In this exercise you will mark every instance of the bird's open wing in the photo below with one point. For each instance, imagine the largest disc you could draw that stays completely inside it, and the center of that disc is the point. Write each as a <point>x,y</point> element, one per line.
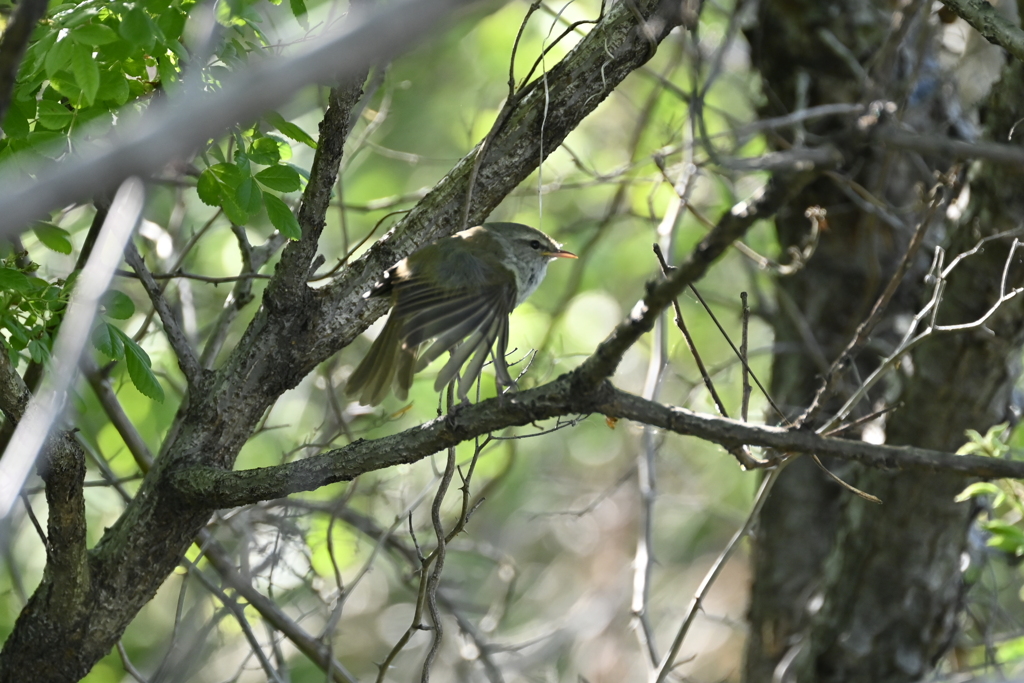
<point>448,318</point>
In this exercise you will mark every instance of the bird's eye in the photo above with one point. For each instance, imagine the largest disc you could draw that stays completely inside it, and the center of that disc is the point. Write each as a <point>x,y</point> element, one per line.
<point>535,244</point>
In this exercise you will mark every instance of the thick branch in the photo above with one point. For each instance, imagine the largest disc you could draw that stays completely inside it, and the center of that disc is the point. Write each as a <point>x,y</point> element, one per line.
<point>290,279</point>
<point>781,189</point>
<point>532,126</point>
<point>993,26</point>
<point>220,489</point>
<point>63,470</point>
<point>14,394</point>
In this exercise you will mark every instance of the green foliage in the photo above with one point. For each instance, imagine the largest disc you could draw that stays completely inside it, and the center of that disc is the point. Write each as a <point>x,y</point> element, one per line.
<point>1005,498</point>
<point>30,310</point>
<point>993,444</point>
<point>54,237</point>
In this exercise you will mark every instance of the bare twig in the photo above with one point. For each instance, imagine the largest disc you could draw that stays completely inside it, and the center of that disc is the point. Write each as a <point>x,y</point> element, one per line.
<point>186,355</point>
<point>744,351</point>
<point>311,647</point>
<point>929,312</point>
<point>665,667</point>
<point>864,330</point>
<point>438,557</point>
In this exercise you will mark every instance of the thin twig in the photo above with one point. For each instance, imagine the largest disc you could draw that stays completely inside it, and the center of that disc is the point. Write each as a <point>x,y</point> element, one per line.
<point>864,330</point>
<point>127,664</point>
<point>665,668</point>
<point>187,360</point>
<point>439,553</point>
<point>744,357</point>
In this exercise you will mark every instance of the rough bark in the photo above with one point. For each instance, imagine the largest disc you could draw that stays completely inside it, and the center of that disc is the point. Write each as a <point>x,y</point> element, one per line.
<point>845,590</point>
<point>295,329</point>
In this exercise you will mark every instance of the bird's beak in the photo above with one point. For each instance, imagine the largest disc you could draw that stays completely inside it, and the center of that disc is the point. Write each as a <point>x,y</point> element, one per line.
<point>560,254</point>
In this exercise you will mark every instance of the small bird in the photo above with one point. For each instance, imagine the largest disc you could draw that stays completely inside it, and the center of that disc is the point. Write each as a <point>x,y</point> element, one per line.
<point>461,288</point>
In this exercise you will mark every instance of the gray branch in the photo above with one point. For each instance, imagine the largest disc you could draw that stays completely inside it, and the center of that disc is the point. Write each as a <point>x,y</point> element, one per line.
<point>992,25</point>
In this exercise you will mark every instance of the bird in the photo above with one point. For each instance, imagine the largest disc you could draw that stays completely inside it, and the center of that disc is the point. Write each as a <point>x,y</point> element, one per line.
<point>457,293</point>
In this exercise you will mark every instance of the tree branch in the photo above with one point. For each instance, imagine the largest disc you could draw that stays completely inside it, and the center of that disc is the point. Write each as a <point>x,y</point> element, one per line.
<point>543,114</point>
<point>602,363</point>
<point>993,26</point>
<point>287,339</point>
<point>12,47</point>
<point>186,355</point>
<point>217,488</point>
<point>63,471</point>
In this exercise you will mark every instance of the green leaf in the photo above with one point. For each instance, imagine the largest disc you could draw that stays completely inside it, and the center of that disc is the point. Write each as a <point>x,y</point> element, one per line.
<point>264,151</point>
<point>117,305</point>
<point>219,186</point>
<point>992,444</point>
<point>37,52</point>
<point>282,217</point>
<point>137,28</point>
<point>179,51</point>
<point>19,335</point>
<point>52,298</point>
<point>26,107</point>
<point>113,87</point>
<point>1005,536</point>
<point>141,373</point>
<point>168,74</point>
<point>242,159</point>
<point>280,178</point>
<point>39,351</point>
<point>59,56</point>
<point>15,280</point>
<point>982,488</point>
<point>290,129</point>
<point>171,23</point>
<point>106,339</point>
<point>233,210</point>
<point>94,34</point>
<point>87,72</point>
<point>299,10</point>
<point>284,148</point>
<point>53,115</point>
<point>209,188</point>
<point>140,368</point>
<point>15,124</point>
<point>53,237</point>
<point>229,174</point>
<point>63,83</point>
<point>249,197</point>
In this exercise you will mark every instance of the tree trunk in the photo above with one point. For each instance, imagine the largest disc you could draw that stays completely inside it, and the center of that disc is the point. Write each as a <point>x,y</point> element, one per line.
<point>846,590</point>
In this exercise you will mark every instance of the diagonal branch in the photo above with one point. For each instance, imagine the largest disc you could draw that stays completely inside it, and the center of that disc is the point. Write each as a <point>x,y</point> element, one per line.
<point>186,355</point>
<point>993,26</point>
<point>780,190</point>
<point>543,114</point>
